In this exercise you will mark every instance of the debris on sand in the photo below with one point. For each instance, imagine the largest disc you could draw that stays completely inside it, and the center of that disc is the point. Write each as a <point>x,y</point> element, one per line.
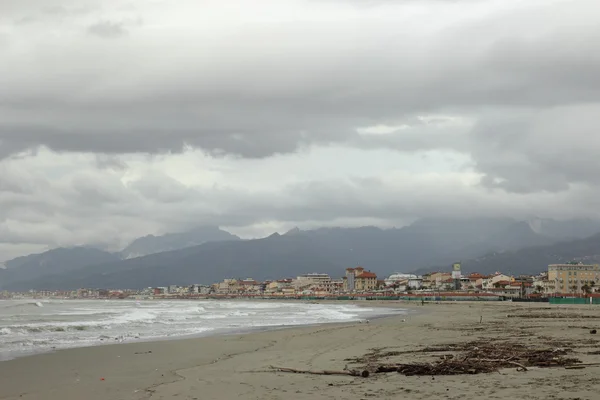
<point>472,358</point>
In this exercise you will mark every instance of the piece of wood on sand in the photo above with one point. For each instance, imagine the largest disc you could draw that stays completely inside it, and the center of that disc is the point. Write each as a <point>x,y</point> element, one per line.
<point>363,374</point>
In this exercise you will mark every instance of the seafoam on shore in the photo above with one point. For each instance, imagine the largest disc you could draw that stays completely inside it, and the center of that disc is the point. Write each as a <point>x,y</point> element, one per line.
<point>28,327</point>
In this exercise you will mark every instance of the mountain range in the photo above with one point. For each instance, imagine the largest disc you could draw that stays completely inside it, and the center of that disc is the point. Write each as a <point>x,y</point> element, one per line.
<point>174,241</point>
<point>208,254</point>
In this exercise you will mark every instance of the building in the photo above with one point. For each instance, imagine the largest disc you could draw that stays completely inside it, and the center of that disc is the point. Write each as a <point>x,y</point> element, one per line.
<point>436,280</point>
<point>365,281</point>
<point>402,282</point>
<point>228,286</point>
<point>250,286</point>
<point>476,280</point>
<point>359,280</point>
<point>200,289</point>
<point>314,279</point>
<point>540,284</point>
<point>573,278</point>
<point>398,277</point>
<point>496,281</point>
<point>349,285</point>
<point>280,286</point>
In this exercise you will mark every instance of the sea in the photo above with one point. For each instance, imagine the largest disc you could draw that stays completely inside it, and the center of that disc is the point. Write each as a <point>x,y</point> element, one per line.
<point>36,326</point>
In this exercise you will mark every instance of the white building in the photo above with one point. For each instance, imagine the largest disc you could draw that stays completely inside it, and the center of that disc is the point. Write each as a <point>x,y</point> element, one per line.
<point>411,280</point>
<point>490,282</point>
<point>311,279</point>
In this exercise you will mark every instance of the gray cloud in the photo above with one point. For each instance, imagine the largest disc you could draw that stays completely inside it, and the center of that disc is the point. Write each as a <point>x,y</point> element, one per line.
<point>108,29</point>
<point>545,150</point>
<point>511,88</point>
<point>255,99</point>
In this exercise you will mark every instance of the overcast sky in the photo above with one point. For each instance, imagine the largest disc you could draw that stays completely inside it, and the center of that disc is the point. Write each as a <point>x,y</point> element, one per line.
<point>122,118</point>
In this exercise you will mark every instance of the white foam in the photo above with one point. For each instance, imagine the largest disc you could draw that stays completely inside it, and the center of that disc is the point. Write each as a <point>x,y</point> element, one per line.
<point>84,323</point>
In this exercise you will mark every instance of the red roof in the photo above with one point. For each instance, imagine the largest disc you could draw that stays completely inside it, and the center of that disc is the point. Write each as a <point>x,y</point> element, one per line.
<point>367,274</point>
<point>475,275</point>
<point>525,284</point>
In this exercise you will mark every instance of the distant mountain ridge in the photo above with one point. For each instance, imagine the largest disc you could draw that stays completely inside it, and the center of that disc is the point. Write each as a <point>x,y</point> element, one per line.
<point>426,243</point>
<point>40,267</point>
<point>53,262</point>
<point>151,244</point>
<point>532,260</point>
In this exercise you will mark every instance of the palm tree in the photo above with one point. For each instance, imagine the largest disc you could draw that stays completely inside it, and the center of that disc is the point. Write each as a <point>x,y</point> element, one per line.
<point>574,288</point>
<point>539,289</point>
<point>586,289</point>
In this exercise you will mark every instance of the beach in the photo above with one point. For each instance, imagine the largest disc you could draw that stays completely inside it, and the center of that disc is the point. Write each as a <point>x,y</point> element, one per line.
<point>239,365</point>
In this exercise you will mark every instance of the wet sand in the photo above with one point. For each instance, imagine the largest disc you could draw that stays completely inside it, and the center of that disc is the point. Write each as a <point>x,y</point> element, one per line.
<point>237,366</point>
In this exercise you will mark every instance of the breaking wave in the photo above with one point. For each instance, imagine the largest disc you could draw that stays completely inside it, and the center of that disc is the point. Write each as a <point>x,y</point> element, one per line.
<point>76,323</point>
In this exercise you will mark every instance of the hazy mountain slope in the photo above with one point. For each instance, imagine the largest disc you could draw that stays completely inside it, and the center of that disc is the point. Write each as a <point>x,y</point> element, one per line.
<point>268,258</point>
<point>422,245</point>
<point>53,262</point>
<point>565,229</point>
<point>514,237</point>
<point>533,260</point>
<point>173,241</point>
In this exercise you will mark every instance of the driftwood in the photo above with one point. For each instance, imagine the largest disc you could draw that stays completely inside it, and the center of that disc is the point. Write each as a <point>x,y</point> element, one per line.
<point>363,374</point>
<point>471,358</point>
<point>483,356</point>
<point>553,316</point>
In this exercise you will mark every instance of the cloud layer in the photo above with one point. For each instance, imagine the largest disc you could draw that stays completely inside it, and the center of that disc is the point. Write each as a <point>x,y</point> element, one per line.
<point>119,118</point>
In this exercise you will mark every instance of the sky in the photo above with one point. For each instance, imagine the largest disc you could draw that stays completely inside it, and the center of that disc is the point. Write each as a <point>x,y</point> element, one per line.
<point>125,118</point>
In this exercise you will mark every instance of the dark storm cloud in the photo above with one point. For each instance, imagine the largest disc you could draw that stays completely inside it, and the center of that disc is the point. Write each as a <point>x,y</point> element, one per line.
<point>508,88</point>
<point>545,150</point>
<point>254,99</point>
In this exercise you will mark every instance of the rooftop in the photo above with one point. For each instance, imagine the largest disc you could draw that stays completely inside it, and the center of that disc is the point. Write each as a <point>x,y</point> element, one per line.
<point>367,274</point>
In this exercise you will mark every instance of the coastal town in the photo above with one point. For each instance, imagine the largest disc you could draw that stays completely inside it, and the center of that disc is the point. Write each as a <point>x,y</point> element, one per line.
<point>573,280</point>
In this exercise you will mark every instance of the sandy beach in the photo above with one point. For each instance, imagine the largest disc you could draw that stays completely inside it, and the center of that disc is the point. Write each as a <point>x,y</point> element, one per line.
<point>238,366</point>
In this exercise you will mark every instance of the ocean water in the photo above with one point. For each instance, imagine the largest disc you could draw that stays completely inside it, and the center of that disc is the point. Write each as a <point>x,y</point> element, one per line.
<point>30,327</point>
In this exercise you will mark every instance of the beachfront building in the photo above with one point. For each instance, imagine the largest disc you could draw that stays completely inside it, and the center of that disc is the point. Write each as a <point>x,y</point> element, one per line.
<point>359,280</point>
<point>332,287</point>
<point>200,289</point>
<point>573,278</point>
<point>409,280</point>
<point>250,286</point>
<point>280,286</point>
<point>436,280</point>
<point>227,286</point>
<point>402,282</point>
<point>313,279</point>
<point>349,285</point>
<point>541,285</point>
<point>476,280</point>
<point>496,281</point>
<point>365,282</point>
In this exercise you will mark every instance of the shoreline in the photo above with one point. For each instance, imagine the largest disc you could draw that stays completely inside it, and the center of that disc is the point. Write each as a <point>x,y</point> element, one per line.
<point>237,365</point>
<point>393,311</point>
